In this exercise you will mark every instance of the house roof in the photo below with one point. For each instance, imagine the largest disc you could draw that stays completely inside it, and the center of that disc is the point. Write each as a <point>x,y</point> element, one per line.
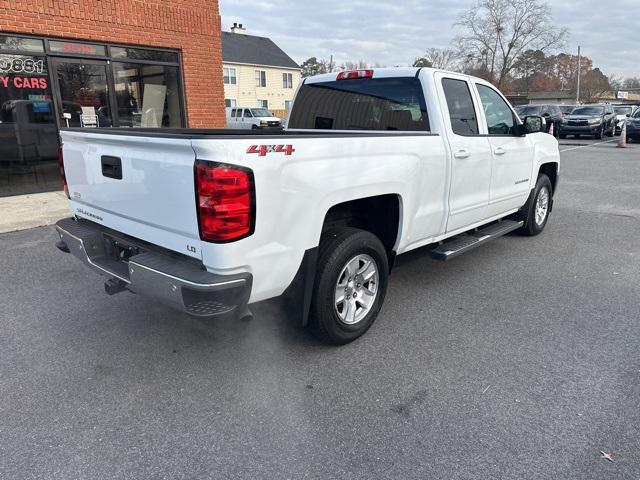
<point>241,48</point>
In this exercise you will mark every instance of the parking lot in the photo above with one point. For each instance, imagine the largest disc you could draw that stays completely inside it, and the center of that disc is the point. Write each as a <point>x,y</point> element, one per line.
<point>517,360</point>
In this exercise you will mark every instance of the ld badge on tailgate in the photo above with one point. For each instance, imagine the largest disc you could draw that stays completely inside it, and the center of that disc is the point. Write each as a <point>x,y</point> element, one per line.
<point>262,150</point>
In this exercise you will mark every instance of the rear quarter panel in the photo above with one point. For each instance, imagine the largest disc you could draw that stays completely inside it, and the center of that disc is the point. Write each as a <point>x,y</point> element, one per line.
<point>294,193</point>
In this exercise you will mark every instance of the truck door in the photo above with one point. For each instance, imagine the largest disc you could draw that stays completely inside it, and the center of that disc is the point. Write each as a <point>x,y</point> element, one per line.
<point>471,162</point>
<point>512,155</point>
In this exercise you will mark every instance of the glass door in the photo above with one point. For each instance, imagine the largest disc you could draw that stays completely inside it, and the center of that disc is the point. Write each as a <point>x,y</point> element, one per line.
<point>84,99</point>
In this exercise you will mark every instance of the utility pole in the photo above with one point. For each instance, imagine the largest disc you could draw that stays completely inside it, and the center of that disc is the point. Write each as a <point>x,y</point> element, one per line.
<point>578,87</point>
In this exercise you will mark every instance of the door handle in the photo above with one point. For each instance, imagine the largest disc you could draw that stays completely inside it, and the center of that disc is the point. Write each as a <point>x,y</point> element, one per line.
<point>499,151</point>
<point>462,153</point>
<point>111,167</point>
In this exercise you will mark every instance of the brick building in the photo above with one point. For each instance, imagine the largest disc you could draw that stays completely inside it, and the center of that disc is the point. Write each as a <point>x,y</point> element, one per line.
<point>101,64</point>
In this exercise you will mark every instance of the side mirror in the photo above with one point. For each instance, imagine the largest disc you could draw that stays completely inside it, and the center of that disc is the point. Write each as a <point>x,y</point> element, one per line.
<point>628,115</point>
<point>531,124</point>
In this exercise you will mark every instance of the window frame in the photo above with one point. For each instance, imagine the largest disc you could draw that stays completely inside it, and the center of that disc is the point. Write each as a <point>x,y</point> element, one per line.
<point>260,75</point>
<point>485,124</point>
<point>232,102</point>
<point>234,77</point>
<point>287,80</point>
<point>263,103</point>
<point>474,102</point>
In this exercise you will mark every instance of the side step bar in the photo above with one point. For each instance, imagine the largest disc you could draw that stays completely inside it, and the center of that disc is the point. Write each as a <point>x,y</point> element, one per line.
<point>470,240</point>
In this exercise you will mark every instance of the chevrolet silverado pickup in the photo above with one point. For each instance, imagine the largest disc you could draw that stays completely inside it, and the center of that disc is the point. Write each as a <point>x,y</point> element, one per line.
<point>373,164</point>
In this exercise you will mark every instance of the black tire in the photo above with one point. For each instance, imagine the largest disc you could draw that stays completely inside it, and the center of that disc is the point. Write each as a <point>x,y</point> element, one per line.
<point>562,135</point>
<point>337,248</point>
<point>528,213</point>
<point>600,134</point>
<point>576,136</point>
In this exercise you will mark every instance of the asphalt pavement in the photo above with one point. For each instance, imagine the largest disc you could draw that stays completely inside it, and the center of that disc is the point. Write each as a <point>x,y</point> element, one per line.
<point>518,360</point>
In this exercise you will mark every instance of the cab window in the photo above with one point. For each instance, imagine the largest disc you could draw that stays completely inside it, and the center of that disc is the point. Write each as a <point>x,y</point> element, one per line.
<point>247,113</point>
<point>461,110</point>
<point>500,118</point>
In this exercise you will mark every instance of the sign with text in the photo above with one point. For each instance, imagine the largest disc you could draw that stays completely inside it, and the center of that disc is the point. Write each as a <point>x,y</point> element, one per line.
<point>15,64</point>
<point>20,82</point>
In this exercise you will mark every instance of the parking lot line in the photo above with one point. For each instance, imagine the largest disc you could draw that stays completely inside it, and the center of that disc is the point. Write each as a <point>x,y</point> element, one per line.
<point>590,145</point>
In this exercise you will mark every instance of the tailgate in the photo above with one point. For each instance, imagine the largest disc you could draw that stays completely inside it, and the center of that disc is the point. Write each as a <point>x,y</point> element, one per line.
<point>141,185</point>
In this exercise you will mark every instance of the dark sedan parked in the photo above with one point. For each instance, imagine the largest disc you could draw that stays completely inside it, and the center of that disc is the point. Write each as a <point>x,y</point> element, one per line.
<point>551,113</point>
<point>595,120</point>
<point>633,126</point>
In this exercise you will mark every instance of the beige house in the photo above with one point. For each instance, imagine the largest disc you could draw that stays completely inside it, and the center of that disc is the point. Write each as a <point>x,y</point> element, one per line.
<point>257,73</point>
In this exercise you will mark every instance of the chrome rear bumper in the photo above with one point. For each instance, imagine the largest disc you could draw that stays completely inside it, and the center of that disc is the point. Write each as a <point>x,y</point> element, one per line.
<point>175,280</point>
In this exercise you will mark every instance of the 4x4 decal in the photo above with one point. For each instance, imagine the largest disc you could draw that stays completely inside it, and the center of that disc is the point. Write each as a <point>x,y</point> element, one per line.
<point>262,150</point>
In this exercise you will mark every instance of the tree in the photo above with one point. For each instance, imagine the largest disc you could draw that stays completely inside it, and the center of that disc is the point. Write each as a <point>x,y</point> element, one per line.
<point>443,58</point>
<point>313,66</point>
<point>495,33</point>
<point>593,84</point>
<point>631,83</point>
<point>351,65</point>
<point>422,62</point>
<point>532,70</point>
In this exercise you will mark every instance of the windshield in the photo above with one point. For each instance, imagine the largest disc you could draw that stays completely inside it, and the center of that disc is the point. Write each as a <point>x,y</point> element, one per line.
<point>529,110</point>
<point>623,110</point>
<point>261,112</point>
<point>588,111</point>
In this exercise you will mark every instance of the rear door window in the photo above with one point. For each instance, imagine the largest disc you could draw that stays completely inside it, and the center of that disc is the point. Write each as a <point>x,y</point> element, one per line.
<point>462,113</point>
<point>395,104</point>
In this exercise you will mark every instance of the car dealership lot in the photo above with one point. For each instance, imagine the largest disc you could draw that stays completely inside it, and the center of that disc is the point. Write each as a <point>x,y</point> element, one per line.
<point>517,360</point>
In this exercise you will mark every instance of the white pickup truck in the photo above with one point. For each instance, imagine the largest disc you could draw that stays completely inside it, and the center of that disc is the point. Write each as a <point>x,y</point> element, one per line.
<point>374,163</point>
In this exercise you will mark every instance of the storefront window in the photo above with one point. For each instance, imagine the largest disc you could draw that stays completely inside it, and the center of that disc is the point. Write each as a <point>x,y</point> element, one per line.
<point>84,94</point>
<point>48,84</point>
<point>148,96</point>
<point>77,48</point>
<point>144,54</point>
<point>31,45</point>
<point>28,135</point>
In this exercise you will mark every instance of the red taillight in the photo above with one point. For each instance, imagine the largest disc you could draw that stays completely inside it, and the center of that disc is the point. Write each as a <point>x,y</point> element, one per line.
<point>63,176</point>
<point>225,202</point>
<point>353,74</point>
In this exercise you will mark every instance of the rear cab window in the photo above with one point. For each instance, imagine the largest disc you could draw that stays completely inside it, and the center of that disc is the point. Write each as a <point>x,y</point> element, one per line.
<point>390,104</point>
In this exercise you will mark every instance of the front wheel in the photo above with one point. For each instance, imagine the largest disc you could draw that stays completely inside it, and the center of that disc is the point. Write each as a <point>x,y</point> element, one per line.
<point>536,212</point>
<point>600,133</point>
<point>351,283</point>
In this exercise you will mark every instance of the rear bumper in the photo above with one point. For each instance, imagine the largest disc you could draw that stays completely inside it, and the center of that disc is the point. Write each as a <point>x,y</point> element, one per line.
<point>173,279</point>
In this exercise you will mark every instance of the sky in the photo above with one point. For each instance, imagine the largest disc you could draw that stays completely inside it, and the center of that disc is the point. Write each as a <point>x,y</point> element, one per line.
<point>395,33</point>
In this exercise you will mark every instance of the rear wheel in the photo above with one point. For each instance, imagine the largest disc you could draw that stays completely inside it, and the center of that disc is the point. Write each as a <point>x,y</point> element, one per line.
<point>536,212</point>
<point>351,283</point>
